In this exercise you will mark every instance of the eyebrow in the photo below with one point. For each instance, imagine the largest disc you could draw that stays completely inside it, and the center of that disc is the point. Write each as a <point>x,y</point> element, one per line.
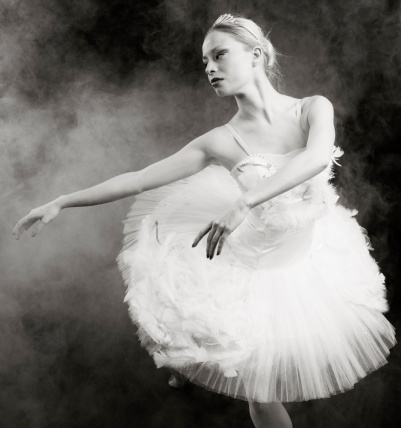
<point>214,49</point>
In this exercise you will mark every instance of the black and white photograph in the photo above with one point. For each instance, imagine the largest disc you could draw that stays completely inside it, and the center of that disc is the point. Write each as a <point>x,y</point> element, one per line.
<point>200,214</point>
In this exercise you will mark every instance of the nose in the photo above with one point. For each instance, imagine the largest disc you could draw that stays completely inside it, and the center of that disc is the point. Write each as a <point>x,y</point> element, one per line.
<point>210,68</point>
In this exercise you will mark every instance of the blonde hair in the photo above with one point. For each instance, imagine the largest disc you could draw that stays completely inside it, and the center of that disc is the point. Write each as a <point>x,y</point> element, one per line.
<point>249,33</point>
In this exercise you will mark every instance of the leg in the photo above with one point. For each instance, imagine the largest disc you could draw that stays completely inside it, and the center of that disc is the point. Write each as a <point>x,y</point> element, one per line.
<point>269,415</point>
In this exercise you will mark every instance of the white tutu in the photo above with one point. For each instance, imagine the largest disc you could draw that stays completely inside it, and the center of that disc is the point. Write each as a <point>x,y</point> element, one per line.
<point>292,308</point>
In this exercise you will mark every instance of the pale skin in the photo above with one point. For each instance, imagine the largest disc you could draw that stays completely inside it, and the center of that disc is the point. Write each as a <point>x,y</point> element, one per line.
<point>261,120</point>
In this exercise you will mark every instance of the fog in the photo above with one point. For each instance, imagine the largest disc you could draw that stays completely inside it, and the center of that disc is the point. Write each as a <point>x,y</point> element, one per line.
<point>91,89</point>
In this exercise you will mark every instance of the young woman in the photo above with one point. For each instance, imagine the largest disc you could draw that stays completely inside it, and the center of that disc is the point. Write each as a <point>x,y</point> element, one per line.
<point>281,301</point>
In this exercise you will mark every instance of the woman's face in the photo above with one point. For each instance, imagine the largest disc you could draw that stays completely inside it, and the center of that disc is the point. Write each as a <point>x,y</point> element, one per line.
<point>228,63</point>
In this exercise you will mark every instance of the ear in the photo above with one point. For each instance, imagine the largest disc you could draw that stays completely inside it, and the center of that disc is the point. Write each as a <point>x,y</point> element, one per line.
<point>257,55</point>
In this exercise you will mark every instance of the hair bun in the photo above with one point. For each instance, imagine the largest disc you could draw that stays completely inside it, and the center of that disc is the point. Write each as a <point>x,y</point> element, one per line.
<point>270,52</point>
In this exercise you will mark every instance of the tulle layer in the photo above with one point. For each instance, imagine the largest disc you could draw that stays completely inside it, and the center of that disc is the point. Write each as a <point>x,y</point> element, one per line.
<point>247,326</point>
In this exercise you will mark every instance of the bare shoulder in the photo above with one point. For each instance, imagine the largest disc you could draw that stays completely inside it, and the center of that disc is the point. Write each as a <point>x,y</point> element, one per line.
<point>316,102</point>
<point>218,146</point>
<point>317,107</point>
<point>214,142</point>
<point>210,137</point>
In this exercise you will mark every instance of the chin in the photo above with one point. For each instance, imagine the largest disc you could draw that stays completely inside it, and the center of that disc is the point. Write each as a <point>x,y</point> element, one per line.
<point>222,93</point>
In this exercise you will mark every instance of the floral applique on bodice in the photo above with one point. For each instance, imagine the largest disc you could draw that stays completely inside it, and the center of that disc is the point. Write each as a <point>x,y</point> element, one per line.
<point>299,205</point>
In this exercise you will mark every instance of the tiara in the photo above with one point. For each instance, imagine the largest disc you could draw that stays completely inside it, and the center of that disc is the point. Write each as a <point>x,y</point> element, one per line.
<point>229,19</point>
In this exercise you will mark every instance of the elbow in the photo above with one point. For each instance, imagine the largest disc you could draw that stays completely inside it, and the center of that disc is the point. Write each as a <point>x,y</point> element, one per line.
<point>138,182</point>
<point>132,183</point>
<point>318,163</point>
<point>322,165</point>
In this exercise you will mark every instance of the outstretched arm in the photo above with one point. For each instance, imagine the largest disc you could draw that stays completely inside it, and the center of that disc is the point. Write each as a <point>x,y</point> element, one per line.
<point>188,161</point>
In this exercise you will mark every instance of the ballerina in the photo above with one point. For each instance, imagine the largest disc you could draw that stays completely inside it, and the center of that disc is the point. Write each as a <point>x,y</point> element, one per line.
<point>281,301</point>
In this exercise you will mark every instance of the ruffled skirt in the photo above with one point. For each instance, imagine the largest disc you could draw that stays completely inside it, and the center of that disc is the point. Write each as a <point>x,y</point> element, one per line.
<point>280,315</point>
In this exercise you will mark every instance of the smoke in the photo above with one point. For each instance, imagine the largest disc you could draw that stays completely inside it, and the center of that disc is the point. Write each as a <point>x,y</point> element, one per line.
<point>91,89</point>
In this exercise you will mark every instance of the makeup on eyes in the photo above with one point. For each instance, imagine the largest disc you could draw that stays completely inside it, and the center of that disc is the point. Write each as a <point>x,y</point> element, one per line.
<point>213,50</point>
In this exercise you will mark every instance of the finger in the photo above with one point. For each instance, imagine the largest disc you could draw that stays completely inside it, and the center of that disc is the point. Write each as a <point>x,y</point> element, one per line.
<point>219,232</point>
<point>19,225</point>
<point>39,227</point>
<point>30,224</point>
<point>16,227</point>
<point>214,235</point>
<point>201,234</point>
<point>24,224</point>
<point>210,237</point>
<point>16,230</point>
<point>222,240</point>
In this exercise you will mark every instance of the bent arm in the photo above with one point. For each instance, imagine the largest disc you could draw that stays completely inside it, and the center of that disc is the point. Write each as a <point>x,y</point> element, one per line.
<point>188,161</point>
<point>305,165</point>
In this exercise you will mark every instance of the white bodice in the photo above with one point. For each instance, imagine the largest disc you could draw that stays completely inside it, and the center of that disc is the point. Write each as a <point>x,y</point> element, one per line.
<point>296,207</point>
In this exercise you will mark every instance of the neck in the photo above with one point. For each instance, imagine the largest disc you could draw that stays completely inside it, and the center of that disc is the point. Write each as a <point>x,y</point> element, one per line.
<point>259,100</point>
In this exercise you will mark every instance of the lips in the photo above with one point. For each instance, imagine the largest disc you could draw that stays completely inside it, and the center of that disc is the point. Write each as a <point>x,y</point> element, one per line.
<point>216,80</point>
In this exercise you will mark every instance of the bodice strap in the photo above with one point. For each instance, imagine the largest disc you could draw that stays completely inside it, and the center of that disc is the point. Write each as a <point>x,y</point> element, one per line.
<point>238,138</point>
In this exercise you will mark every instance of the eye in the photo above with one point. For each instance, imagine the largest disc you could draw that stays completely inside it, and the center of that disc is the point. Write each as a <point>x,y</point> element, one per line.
<point>219,54</point>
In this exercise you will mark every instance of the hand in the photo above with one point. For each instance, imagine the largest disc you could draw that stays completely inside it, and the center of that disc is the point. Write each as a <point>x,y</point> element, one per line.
<point>220,229</point>
<point>44,214</point>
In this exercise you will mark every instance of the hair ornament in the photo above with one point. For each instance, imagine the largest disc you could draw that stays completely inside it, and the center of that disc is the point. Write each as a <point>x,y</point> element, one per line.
<point>225,19</point>
<point>229,19</point>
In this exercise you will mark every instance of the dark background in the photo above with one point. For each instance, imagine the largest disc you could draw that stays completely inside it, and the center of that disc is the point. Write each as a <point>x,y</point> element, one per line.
<point>91,89</point>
